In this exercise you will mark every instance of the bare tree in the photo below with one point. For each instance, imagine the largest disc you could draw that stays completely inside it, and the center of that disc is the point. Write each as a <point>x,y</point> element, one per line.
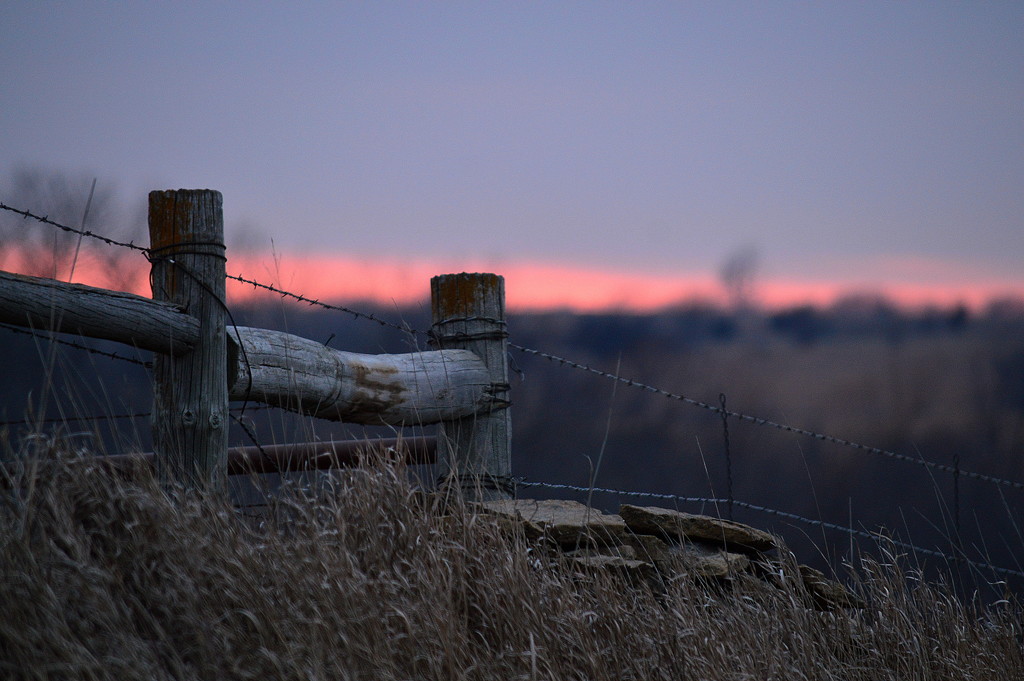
<point>77,201</point>
<point>739,277</point>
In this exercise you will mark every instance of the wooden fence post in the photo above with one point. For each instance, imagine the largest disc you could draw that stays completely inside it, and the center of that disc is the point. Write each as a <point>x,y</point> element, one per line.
<point>475,451</point>
<point>190,391</point>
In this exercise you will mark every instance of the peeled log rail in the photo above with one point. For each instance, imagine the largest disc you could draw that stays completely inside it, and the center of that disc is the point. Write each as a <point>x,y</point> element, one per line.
<point>305,376</point>
<point>48,304</point>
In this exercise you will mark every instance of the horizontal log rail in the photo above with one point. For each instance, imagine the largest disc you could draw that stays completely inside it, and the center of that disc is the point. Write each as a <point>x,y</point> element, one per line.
<point>52,305</point>
<point>305,376</point>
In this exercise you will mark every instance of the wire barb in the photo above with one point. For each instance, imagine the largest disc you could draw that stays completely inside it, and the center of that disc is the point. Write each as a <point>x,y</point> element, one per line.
<point>312,301</point>
<point>435,336</point>
<point>77,346</point>
<point>151,253</point>
<point>81,232</point>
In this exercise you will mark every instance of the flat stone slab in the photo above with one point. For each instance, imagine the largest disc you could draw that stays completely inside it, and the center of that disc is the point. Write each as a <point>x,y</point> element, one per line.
<point>568,523</point>
<point>625,551</point>
<point>697,560</point>
<point>617,562</point>
<point>652,549</point>
<point>636,571</point>
<point>676,526</point>
<point>650,545</point>
<point>704,561</point>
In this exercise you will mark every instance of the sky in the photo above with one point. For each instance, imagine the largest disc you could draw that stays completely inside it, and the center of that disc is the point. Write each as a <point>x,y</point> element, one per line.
<point>598,154</point>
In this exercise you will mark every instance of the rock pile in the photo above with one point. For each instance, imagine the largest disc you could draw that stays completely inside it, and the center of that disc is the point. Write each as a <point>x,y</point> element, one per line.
<point>657,545</point>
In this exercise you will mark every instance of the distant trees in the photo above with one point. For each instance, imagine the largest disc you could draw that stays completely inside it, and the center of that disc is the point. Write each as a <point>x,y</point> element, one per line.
<point>804,324</point>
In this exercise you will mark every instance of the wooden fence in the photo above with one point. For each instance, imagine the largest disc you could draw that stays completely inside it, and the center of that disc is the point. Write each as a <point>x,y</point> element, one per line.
<point>201,362</point>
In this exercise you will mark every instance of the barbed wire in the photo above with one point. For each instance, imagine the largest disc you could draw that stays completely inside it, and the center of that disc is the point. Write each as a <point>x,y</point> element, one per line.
<point>772,424</point>
<point>68,419</point>
<point>721,410</point>
<point>255,284</point>
<point>405,328</point>
<point>83,232</point>
<point>51,338</point>
<point>954,470</point>
<point>874,536</point>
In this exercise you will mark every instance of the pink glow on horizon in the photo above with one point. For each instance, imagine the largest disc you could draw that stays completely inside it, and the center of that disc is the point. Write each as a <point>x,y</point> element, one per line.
<point>539,286</point>
<point>545,286</point>
<point>527,286</point>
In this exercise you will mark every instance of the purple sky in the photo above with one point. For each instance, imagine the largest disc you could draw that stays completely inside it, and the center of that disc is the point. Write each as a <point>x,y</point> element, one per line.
<point>832,137</point>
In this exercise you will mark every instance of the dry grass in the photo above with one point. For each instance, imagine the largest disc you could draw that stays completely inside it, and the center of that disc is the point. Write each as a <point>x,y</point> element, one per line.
<point>368,579</point>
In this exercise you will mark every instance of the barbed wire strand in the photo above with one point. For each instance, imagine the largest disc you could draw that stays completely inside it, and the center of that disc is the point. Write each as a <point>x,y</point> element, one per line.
<point>77,346</point>
<point>771,511</point>
<point>81,232</point>
<point>338,308</point>
<point>956,471</point>
<point>772,424</point>
<point>722,411</point>
<point>255,284</point>
<point>68,419</point>
<point>249,432</point>
<point>216,298</point>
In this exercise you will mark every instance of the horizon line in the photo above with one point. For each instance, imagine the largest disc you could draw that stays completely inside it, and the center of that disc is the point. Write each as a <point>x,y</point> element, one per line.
<point>545,287</point>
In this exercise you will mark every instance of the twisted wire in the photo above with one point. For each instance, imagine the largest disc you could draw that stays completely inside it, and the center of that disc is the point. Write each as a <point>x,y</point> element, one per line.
<point>874,536</point>
<point>149,253</point>
<point>757,420</point>
<point>554,358</point>
<point>67,419</point>
<point>77,346</point>
<point>405,328</point>
<point>82,232</point>
<point>955,469</point>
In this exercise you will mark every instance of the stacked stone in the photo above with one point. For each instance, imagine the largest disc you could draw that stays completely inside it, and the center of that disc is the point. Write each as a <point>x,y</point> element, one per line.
<point>658,545</point>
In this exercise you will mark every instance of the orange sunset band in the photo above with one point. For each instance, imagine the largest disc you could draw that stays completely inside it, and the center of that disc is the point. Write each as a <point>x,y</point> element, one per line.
<point>529,286</point>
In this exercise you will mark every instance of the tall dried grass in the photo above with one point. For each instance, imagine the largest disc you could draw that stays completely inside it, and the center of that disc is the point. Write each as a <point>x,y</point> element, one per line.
<point>367,578</point>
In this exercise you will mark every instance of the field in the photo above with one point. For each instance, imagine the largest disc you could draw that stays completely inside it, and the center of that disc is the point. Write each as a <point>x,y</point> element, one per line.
<point>361,576</point>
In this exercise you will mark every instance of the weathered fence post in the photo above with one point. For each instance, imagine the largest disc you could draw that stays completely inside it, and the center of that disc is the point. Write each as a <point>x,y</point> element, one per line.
<point>190,391</point>
<point>475,451</point>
